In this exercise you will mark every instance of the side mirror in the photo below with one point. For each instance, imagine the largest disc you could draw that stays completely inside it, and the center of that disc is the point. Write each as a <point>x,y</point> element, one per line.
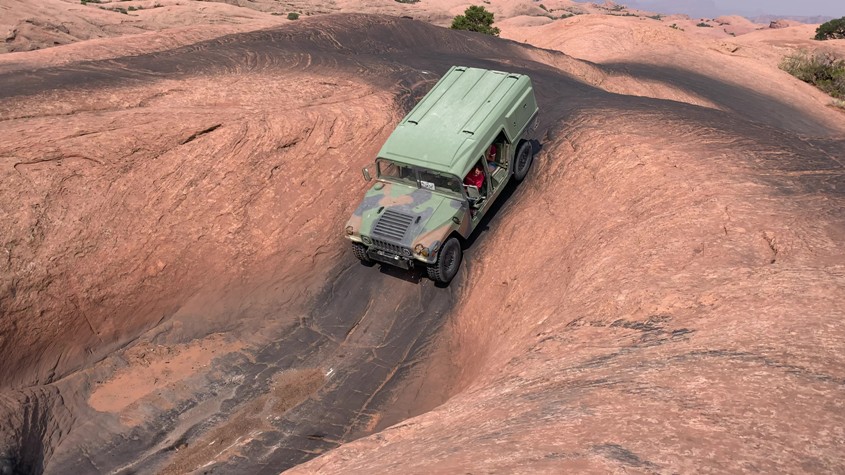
<point>472,193</point>
<point>366,172</point>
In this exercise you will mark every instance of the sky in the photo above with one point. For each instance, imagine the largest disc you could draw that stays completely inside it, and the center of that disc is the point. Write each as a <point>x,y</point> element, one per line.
<point>711,8</point>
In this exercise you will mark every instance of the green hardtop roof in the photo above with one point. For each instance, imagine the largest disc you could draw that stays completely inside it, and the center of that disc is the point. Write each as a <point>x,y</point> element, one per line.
<point>449,128</point>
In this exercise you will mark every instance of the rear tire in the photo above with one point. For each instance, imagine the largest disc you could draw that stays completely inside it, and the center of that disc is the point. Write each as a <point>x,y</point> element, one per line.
<point>360,251</point>
<point>448,262</point>
<point>522,161</point>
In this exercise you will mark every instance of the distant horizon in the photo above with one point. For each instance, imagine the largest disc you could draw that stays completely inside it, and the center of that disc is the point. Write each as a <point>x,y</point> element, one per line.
<point>748,8</point>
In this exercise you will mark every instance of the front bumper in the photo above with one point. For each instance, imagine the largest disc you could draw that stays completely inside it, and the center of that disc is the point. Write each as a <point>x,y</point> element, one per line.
<point>390,258</point>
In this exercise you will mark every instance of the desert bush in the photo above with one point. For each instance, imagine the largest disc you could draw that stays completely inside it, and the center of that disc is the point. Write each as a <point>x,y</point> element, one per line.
<point>477,19</point>
<point>832,30</point>
<point>293,16</point>
<point>823,70</point>
<point>657,17</point>
<point>704,25</point>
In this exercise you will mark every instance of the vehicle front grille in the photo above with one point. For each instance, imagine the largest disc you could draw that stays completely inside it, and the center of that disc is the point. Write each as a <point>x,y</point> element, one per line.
<point>392,248</point>
<point>392,225</point>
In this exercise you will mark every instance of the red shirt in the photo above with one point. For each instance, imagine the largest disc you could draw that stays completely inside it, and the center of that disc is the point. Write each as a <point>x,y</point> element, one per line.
<point>474,179</point>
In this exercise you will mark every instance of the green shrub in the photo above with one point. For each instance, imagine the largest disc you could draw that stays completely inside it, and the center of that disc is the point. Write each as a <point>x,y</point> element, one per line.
<point>477,19</point>
<point>704,25</point>
<point>823,70</point>
<point>657,17</point>
<point>293,16</point>
<point>675,27</point>
<point>832,30</point>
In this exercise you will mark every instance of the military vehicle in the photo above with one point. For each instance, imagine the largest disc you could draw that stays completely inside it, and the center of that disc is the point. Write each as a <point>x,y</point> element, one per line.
<point>428,197</point>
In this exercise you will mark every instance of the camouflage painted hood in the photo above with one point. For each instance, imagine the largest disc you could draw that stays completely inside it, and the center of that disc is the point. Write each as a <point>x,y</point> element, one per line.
<point>404,214</point>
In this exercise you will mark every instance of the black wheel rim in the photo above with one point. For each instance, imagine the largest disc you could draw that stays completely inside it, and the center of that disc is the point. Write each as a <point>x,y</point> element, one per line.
<point>523,159</point>
<point>450,261</point>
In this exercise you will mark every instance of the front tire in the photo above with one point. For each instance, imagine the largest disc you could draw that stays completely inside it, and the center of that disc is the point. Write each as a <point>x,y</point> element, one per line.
<point>360,251</point>
<point>448,262</point>
<point>522,161</point>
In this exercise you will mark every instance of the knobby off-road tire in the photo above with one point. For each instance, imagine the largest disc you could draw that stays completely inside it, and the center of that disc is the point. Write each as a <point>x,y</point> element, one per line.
<point>522,160</point>
<point>448,262</point>
<point>360,251</point>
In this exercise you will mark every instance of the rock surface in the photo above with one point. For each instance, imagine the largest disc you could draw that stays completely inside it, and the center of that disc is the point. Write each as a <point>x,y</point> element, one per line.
<point>662,294</point>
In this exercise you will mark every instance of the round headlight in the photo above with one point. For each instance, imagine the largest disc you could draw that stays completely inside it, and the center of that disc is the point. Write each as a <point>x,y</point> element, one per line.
<point>349,230</point>
<point>366,240</point>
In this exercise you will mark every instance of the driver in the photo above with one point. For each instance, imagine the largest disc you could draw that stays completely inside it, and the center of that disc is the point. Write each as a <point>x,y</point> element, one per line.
<point>475,177</point>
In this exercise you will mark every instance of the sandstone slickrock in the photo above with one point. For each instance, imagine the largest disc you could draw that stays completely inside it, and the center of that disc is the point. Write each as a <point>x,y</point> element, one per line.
<point>662,294</point>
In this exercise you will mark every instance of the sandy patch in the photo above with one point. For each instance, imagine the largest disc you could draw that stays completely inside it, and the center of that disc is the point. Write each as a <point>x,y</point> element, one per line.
<point>289,388</point>
<point>153,367</point>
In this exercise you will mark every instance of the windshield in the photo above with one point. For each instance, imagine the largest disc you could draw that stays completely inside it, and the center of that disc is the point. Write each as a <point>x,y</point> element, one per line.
<point>392,171</point>
<point>432,180</point>
<point>419,177</point>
